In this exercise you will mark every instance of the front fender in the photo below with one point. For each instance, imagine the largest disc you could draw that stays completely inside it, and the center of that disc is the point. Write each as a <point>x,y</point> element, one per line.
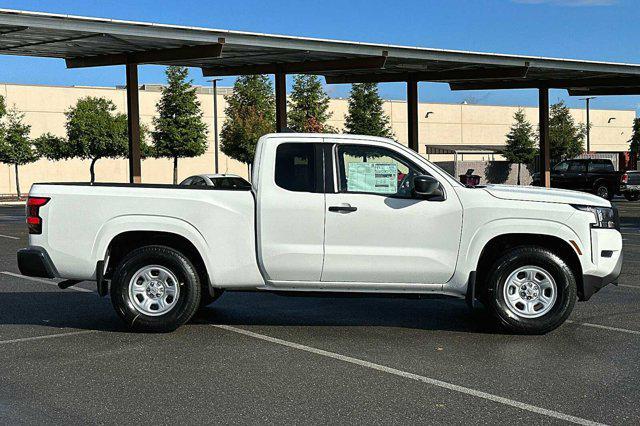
<point>499,227</point>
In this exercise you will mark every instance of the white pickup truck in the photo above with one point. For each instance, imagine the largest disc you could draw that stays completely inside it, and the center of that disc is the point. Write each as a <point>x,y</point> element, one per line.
<point>327,213</point>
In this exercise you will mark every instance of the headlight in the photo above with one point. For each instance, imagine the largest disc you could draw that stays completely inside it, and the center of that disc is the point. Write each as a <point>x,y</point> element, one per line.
<point>605,217</point>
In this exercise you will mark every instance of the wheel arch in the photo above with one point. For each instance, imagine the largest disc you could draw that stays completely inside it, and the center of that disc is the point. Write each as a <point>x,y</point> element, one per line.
<point>496,247</point>
<point>125,233</point>
<point>125,242</point>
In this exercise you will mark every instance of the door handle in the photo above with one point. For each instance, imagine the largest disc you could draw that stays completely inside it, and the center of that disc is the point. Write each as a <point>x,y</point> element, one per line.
<point>342,209</point>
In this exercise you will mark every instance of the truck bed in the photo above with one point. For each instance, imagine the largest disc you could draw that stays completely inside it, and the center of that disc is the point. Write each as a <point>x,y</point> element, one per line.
<point>81,219</point>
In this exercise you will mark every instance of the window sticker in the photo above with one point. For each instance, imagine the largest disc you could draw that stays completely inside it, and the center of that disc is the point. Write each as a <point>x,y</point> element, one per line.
<point>379,178</point>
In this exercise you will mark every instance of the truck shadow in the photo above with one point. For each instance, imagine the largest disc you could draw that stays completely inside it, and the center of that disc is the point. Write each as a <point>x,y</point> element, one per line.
<point>362,311</point>
<point>57,309</point>
<point>87,311</point>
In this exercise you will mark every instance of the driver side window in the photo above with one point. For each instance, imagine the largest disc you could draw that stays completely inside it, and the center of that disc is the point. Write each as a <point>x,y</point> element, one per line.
<point>375,170</point>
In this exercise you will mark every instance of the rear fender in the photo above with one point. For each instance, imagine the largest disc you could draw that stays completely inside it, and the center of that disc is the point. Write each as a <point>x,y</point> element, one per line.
<point>165,224</point>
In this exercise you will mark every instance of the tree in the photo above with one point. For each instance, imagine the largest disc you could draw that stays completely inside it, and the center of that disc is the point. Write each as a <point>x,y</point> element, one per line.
<point>94,131</point>
<point>365,115</point>
<point>308,106</point>
<point>16,146</point>
<point>179,129</point>
<point>250,114</point>
<point>634,143</point>
<point>521,142</point>
<point>565,137</point>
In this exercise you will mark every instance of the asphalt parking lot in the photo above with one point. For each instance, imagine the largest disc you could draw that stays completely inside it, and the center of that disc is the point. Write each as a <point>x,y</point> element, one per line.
<point>263,358</point>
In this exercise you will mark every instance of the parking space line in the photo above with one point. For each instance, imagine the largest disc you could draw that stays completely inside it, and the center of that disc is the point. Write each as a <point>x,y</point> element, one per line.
<point>44,281</point>
<point>47,336</point>
<point>637,287</point>
<point>605,327</point>
<point>9,236</point>
<point>412,376</point>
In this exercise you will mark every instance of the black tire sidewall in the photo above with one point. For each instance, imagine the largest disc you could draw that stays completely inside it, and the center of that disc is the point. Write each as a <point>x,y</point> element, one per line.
<point>559,270</point>
<point>609,191</point>
<point>188,299</point>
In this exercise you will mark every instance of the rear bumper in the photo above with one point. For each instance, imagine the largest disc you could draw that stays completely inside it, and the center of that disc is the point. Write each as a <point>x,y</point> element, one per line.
<point>591,284</point>
<point>35,262</point>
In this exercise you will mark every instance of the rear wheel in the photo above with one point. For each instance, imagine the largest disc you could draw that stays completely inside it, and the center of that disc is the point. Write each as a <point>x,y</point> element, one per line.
<point>155,289</point>
<point>632,196</point>
<point>602,190</point>
<point>531,290</point>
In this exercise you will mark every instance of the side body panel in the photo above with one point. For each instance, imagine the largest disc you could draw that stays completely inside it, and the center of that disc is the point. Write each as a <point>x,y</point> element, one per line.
<point>81,221</point>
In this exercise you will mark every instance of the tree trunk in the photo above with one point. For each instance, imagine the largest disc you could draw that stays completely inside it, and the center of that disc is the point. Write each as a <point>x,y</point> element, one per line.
<point>92,169</point>
<point>519,164</point>
<point>17,181</point>
<point>175,170</point>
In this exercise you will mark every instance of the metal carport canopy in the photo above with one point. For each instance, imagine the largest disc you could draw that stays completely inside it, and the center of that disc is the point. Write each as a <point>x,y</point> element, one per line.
<point>88,42</point>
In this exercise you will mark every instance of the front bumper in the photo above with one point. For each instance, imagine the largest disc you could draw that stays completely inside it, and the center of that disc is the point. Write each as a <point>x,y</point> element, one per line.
<point>591,284</point>
<point>35,262</point>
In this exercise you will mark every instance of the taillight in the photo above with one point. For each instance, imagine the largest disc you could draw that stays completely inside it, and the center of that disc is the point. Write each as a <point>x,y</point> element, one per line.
<point>624,178</point>
<point>34,221</point>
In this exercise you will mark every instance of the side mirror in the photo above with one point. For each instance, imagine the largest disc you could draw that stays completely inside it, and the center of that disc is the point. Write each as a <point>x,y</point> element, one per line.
<point>426,186</point>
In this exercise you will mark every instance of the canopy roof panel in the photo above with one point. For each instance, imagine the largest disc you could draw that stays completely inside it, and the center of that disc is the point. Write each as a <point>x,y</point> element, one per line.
<point>84,41</point>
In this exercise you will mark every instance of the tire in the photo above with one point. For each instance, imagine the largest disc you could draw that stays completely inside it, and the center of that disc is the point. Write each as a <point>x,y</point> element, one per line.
<point>602,190</point>
<point>632,196</point>
<point>164,277</point>
<point>506,275</point>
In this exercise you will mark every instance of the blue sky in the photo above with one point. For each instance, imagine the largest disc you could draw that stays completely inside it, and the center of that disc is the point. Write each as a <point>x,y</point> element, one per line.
<point>584,29</point>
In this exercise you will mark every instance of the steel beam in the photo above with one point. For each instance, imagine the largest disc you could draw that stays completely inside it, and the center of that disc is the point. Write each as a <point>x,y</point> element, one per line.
<point>133,121</point>
<point>545,149</point>
<point>453,75</point>
<point>201,51</point>
<point>412,114</point>
<point>281,101</point>
<point>348,64</point>
<point>604,91</point>
<point>549,84</point>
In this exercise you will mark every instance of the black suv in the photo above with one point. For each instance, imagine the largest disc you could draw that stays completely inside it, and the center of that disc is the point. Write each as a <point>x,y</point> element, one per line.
<point>597,176</point>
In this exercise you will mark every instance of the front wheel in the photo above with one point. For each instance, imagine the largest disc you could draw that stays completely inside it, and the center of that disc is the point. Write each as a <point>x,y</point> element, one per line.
<point>531,290</point>
<point>155,289</point>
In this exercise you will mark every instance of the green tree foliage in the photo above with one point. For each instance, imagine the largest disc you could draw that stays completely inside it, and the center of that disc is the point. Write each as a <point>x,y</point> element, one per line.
<point>16,146</point>
<point>94,131</point>
<point>365,115</point>
<point>565,136</point>
<point>179,129</point>
<point>308,106</point>
<point>250,114</point>
<point>521,142</point>
<point>634,142</point>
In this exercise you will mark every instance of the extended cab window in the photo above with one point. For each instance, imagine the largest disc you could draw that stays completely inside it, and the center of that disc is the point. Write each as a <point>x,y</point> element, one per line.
<point>296,167</point>
<point>375,170</point>
<point>601,166</point>
<point>577,166</point>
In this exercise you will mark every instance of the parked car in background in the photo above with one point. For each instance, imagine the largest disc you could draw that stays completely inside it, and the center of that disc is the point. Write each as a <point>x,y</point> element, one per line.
<point>630,185</point>
<point>219,181</point>
<point>326,213</point>
<point>594,175</point>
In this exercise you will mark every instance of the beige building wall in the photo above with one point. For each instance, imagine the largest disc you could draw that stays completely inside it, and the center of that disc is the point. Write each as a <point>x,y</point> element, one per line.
<point>447,124</point>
